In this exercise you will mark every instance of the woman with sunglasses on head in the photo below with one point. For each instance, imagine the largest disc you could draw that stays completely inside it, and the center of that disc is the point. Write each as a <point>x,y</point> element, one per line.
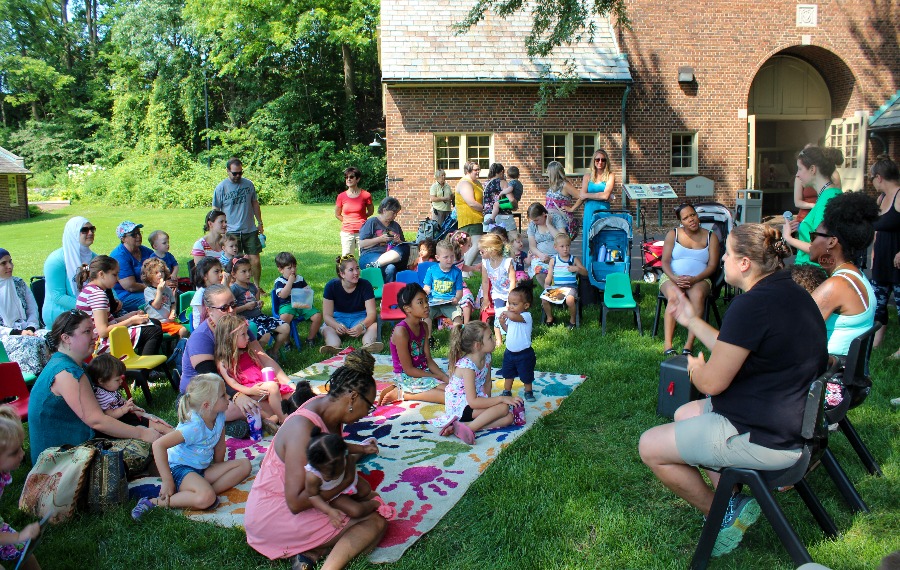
<point>210,245</point>
<point>689,260</point>
<point>815,167</point>
<point>280,520</point>
<point>20,329</point>
<point>596,190</point>
<point>62,408</point>
<point>349,309</point>
<point>62,267</point>
<point>353,207</point>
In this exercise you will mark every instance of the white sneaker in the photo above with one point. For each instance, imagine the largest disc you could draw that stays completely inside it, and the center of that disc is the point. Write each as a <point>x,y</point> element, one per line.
<point>895,402</point>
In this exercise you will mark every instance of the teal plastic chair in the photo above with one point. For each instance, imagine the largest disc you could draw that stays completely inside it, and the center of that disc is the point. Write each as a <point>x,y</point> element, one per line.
<point>4,357</point>
<point>618,297</point>
<point>185,311</point>
<point>373,275</point>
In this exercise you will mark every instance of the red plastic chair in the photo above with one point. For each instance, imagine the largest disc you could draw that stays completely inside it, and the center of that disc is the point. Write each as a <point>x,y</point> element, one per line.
<point>389,309</point>
<point>487,306</point>
<point>13,390</point>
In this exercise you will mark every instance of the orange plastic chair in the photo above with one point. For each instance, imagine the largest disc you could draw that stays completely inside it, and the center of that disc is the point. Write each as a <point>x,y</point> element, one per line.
<point>120,347</point>
<point>487,306</point>
<point>389,309</point>
<point>13,390</point>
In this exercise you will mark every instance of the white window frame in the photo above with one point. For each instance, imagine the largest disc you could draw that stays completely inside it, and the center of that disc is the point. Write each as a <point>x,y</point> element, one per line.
<point>12,185</point>
<point>463,147</point>
<point>568,161</point>
<point>694,168</point>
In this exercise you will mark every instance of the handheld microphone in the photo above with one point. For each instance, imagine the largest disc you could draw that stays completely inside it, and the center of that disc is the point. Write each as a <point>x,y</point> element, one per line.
<point>788,216</point>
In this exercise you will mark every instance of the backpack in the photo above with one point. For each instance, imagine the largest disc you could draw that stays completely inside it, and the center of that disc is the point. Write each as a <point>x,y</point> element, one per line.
<point>428,229</point>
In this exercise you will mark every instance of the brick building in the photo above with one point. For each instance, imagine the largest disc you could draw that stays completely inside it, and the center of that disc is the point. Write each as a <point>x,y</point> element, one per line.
<point>13,189</point>
<point>727,91</point>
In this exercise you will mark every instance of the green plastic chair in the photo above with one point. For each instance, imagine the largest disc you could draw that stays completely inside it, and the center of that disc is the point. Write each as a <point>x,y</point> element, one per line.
<point>618,297</point>
<point>185,311</point>
<point>4,357</point>
<point>373,275</point>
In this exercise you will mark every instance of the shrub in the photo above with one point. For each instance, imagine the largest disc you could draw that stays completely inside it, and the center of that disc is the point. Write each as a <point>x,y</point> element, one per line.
<point>320,175</point>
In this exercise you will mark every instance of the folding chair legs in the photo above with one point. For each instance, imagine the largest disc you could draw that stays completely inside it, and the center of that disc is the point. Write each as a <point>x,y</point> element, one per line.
<point>767,503</point>
<point>637,319</point>
<point>659,303</point>
<point>861,450</point>
<point>846,488</point>
<point>826,523</point>
<point>142,381</point>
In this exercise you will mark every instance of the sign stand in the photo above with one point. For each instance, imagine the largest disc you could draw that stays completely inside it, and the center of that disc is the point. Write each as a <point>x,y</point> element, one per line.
<point>658,192</point>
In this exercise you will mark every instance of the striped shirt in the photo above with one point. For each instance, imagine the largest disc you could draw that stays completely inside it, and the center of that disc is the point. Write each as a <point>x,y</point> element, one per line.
<point>562,277</point>
<point>202,247</point>
<point>108,400</point>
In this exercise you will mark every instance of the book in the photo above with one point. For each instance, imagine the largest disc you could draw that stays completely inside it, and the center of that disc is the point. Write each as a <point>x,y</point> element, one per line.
<point>557,295</point>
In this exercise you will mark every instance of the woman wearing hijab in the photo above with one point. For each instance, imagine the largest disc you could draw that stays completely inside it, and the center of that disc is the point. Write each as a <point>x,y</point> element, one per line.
<point>19,321</point>
<point>63,265</point>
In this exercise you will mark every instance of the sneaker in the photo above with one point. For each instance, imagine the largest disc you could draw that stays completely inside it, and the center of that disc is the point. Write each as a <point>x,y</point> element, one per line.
<point>506,393</point>
<point>328,350</point>
<point>742,512</point>
<point>374,347</point>
<point>144,506</point>
<point>571,326</point>
<point>895,402</point>
<point>529,396</point>
<point>310,343</point>
<point>372,264</point>
<point>238,429</point>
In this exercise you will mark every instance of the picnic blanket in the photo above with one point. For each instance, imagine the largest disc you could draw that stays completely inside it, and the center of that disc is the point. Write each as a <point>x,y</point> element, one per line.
<point>417,471</point>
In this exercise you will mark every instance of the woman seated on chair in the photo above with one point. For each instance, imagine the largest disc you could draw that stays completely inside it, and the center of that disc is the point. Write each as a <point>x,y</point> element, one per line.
<point>20,331</point>
<point>62,408</point>
<point>690,259</point>
<point>381,241</point>
<point>771,347</point>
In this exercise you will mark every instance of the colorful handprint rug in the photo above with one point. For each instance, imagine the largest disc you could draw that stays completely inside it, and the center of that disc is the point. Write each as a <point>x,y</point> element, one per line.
<point>417,471</point>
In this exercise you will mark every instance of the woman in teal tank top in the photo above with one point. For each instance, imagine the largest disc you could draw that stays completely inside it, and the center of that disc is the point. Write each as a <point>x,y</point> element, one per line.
<point>596,192</point>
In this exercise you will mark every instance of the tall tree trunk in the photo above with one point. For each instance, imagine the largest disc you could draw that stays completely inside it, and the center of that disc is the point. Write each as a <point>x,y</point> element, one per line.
<point>90,17</point>
<point>349,95</point>
<point>34,110</point>
<point>3,110</point>
<point>64,21</point>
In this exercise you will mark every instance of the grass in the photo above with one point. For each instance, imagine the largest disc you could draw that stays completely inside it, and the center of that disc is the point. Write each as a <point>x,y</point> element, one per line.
<point>570,493</point>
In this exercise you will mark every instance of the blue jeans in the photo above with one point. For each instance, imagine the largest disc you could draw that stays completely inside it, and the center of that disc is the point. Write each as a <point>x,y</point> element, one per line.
<point>388,271</point>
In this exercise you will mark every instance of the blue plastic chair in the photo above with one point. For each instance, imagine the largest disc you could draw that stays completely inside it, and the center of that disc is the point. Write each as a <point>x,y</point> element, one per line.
<point>407,276</point>
<point>422,270</point>
<point>295,336</point>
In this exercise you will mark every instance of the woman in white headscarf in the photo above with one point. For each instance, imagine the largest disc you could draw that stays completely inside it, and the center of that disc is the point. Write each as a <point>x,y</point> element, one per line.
<point>19,324</point>
<point>63,265</point>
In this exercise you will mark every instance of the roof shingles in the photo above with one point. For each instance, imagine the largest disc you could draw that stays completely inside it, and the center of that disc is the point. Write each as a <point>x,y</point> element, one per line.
<point>419,45</point>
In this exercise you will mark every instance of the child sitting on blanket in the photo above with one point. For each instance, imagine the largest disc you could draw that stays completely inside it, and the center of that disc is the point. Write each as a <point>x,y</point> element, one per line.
<point>191,459</point>
<point>329,462</point>
<point>241,369</point>
<point>416,375</point>
<point>12,437</point>
<point>468,404</point>
<point>107,373</point>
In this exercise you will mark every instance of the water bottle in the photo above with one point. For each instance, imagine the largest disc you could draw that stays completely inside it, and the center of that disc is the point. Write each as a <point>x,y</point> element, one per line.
<point>262,240</point>
<point>601,255</point>
<point>254,420</point>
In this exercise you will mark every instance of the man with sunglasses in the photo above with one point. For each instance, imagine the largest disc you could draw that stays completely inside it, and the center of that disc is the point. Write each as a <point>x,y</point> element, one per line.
<point>201,347</point>
<point>131,256</point>
<point>236,196</point>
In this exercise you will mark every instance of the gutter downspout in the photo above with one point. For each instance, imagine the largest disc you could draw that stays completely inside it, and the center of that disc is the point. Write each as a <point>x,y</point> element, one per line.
<point>625,151</point>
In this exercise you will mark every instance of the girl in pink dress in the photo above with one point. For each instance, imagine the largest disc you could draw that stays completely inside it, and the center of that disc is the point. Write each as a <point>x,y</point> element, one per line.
<point>241,368</point>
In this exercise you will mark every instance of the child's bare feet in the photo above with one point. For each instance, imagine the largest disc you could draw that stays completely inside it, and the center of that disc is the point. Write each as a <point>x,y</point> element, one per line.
<point>389,395</point>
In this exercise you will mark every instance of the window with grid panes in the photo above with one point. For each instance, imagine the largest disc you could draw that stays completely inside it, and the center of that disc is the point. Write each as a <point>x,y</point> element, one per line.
<point>583,147</point>
<point>684,153</point>
<point>446,150</point>
<point>478,149</point>
<point>554,148</point>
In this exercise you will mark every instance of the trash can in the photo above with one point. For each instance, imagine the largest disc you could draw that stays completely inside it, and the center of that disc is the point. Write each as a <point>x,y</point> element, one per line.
<point>748,207</point>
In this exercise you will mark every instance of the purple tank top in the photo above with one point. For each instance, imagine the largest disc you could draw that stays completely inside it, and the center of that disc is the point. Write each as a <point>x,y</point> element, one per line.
<point>416,349</point>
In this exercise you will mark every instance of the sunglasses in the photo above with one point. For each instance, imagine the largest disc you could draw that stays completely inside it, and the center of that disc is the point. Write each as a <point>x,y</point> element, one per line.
<point>135,233</point>
<point>599,160</point>
<point>351,177</point>
<point>372,406</point>
<point>346,257</point>
<point>226,306</point>
<point>238,173</point>
<point>814,235</point>
<point>89,229</point>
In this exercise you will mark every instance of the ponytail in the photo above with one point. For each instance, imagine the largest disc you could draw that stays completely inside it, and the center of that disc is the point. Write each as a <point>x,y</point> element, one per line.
<point>202,388</point>
<point>90,272</point>
<point>463,339</point>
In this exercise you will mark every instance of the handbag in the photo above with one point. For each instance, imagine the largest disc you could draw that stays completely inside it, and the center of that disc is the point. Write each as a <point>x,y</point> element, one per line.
<point>56,482</point>
<point>107,483</point>
<point>136,453</point>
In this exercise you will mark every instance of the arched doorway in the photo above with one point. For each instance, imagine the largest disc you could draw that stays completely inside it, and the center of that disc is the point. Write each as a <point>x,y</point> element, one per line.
<point>789,106</point>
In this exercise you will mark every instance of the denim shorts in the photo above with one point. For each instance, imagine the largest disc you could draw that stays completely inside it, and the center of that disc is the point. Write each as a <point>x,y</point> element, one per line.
<point>179,472</point>
<point>350,320</point>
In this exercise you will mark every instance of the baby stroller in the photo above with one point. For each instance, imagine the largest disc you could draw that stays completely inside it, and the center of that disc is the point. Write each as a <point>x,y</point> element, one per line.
<point>608,246</point>
<point>430,229</point>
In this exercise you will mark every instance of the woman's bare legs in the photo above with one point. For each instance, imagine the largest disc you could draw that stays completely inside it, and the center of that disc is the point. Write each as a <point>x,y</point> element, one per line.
<point>697,295</point>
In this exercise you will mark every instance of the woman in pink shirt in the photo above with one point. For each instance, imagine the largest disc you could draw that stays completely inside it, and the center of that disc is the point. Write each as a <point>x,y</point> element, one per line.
<point>353,208</point>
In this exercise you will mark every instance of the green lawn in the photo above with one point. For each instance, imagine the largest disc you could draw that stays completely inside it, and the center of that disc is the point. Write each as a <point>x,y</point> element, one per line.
<point>571,493</point>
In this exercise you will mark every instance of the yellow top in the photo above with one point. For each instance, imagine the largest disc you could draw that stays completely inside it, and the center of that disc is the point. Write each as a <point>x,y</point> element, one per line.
<point>464,214</point>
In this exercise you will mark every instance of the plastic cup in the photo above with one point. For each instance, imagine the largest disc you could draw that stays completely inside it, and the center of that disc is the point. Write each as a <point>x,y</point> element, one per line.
<point>518,415</point>
<point>254,420</point>
<point>268,374</point>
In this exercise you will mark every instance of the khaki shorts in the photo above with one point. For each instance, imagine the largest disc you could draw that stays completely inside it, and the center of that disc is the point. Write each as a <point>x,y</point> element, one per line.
<point>663,278</point>
<point>248,243</point>
<point>709,440</point>
<point>473,229</point>
<point>449,310</point>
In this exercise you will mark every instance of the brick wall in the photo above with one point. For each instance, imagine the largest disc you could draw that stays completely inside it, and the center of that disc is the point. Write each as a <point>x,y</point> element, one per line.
<point>414,115</point>
<point>854,47</point>
<point>9,213</point>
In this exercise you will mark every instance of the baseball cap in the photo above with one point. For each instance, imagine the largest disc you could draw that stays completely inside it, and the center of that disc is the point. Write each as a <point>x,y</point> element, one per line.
<point>127,227</point>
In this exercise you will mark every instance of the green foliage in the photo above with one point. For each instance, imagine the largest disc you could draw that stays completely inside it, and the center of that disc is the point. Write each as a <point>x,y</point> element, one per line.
<point>320,174</point>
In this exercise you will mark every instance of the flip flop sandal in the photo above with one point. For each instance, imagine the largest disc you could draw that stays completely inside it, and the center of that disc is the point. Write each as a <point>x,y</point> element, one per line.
<point>300,562</point>
<point>463,432</point>
<point>670,352</point>
<point>385,510</point>
<point>448,428</point>
<point>687,352</point>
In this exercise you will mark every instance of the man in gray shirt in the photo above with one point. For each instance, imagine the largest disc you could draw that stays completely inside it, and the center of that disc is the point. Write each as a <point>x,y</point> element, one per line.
<point>236,196</point>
